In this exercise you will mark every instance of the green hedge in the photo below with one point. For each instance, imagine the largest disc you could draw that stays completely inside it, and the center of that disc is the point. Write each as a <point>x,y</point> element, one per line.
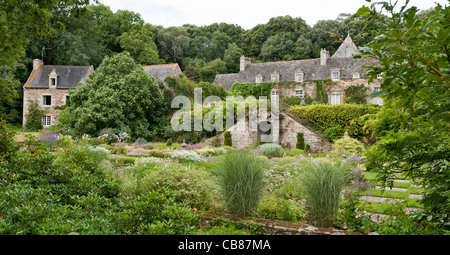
<point>328,116</point>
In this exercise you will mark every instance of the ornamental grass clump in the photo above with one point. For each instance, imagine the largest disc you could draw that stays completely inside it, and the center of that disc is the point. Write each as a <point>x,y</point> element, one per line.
<point>271,150</point>
<point>242,182</point>
<point>322,186</point>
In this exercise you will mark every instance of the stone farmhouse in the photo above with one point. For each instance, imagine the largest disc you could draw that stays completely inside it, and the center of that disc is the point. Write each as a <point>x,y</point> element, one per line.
<point>49,85</point>
<point>298,78</point>
<point>341,68</point>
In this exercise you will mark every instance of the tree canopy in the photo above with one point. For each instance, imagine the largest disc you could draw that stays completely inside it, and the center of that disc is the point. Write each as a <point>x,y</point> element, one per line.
<point>119,95</point>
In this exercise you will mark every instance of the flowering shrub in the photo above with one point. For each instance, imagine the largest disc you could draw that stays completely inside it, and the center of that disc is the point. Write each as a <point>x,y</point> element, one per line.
<point>194,146</point>
<point>124,137</point>
<point>186,156</point>
<point>50,140</point>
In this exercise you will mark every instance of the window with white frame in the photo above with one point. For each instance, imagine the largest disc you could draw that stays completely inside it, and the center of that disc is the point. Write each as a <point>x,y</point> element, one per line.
<point>275,95</point>
<point>335,75</point>
<point>46,100</point>
<point>46,121</point>
<point>275,77</point>
<point>258,78</point>
<point>335,99</point>
<point>53,78</point>
<point>299,77</point>
<point>299,93</point>
<point>355,75</point>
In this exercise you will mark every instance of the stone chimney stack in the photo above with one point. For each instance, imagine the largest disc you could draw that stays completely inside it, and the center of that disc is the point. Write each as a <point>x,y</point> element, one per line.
<point>324,56</point>
<point>37,63</point>
<point>244,61</point>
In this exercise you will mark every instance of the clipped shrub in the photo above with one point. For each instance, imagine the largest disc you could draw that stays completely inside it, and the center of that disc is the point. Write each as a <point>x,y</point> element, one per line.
<point>271,150</point>
<point>322,185</point>
<point>169,142</point>
<point>328,116</point>
<point>348,145</point>
<point>186,156</point>
<point>307,148</point>
<point>242,182</point>
<point>158,154</point>
<point>300,141</point>
<point>227,141</point>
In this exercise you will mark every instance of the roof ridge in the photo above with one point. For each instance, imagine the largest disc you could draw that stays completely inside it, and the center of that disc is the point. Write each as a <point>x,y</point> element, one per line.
<point>295,60</point>
<point>174,64</point>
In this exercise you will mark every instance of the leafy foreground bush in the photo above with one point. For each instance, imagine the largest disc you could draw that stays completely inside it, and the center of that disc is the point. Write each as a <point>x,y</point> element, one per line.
<point>53,194</point>
<point>242,182</point>
<point>271,150</point>
<point>322,186</point>
<point>194,186</point>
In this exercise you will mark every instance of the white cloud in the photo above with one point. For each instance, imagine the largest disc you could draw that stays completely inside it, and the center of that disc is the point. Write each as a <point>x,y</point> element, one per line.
<point>246,13</point>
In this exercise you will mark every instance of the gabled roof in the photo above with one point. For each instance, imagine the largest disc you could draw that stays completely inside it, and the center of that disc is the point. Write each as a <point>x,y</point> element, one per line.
<point>161,71</point>
<point>311,69</point>
<point>226,80</point>
<point>68,76</point>
<point>347,49</point>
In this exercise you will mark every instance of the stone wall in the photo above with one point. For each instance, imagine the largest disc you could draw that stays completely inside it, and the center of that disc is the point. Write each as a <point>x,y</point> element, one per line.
<point>58,99</point>
<point>243,137</point>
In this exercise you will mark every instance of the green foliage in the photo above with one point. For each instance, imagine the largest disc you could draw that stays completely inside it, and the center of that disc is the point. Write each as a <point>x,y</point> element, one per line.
<point>356,94</point>
<point>322,185</point>
<point>291,101</point>
<point>139,43</point>
<point>348,145</point>
<point>34,117</point>
<point>251,89</point>
<point>276,208</point>
<point>119,95</point>
<point>7,145</point>
<point>227,139</point>
<point>334,133</point>
<point>169,142</point>
<point>158,154</point>
<point>194,186</point>
<point>327,116</point>
<point>412,129</point>
<point>271,150</point>
<point>300,141</point>
<point>241,180</point>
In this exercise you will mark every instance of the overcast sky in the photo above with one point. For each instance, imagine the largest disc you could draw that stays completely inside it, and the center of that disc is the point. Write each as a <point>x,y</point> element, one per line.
<point>245,13</point>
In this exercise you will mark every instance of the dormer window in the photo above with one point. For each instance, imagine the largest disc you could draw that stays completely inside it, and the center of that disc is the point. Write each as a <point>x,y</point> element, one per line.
<point>299,77</point>
<point>335,75</point>
<point>53,79</point>
<point>258,78</point>
<point>275,77</point>
<point>355,75</point>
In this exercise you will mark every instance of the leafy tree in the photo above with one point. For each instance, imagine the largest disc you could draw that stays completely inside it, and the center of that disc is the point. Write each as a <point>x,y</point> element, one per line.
<point>139,43</point>
<point>173,40</point>
<point>277,47</point>
<point>119,95</point>
<point>414,62</point>
<point>232,57</point>
<point>356,94</point>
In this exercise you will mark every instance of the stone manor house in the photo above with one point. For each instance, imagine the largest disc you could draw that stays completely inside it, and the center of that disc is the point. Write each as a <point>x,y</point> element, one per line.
<point>298,78</point>
<point>49,85</point>
<point>341,68</point>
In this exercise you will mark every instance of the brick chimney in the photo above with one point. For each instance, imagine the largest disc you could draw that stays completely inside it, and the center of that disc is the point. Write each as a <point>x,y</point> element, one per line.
<point>244,61</point>
<point>37,63</point>
<point>324,56</point>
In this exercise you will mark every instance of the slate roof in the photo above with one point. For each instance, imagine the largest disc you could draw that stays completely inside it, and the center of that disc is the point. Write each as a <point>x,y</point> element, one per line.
<point>68,76</point>
<point>226,80</point>
<point>161,71</point>
<point>312,70</point>
<point>347,49</point>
